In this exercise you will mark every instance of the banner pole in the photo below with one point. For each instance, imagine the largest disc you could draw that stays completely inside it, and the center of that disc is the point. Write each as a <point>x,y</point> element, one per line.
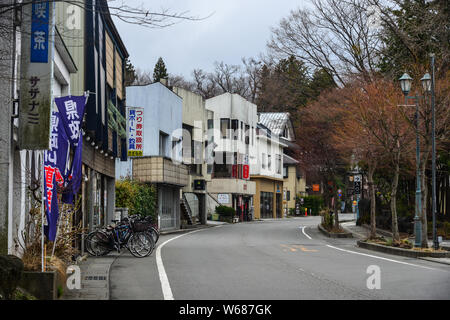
<point>42,212</point>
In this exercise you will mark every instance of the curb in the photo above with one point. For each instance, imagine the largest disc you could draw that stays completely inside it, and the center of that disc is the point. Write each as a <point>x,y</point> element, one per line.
<point>434,260</point>
<point>186,230</point>
<point>401,252</point>
<point>334,235</point>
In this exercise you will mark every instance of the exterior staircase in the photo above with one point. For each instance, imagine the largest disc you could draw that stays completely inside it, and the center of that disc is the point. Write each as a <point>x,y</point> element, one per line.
<point>186,210</point>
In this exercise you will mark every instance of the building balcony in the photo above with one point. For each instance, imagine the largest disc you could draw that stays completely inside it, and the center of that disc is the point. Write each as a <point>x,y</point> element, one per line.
<point>160,170</point>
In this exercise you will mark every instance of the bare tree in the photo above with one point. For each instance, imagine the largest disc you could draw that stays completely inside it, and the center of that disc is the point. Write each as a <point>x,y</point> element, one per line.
<point>336,36</point>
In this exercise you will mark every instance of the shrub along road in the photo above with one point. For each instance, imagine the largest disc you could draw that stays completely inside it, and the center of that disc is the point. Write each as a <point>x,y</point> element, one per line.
<point>273,259</point>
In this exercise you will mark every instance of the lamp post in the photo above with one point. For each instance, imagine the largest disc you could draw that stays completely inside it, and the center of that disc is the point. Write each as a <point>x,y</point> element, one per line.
<point>429,86</point>
<point>405,83</point>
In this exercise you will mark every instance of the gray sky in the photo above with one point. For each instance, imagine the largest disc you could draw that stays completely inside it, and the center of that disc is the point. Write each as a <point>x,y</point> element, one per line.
<point>238,28</point>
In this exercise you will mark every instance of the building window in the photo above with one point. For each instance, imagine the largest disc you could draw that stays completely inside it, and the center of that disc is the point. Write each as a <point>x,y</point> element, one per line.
<point>235,128</point>
<point>242,131</point>
<point>285,172</point>
<point>247,134</point>
<point>288,195</point>
<point>269,162</point>
<point>225,128</point>
<point>162,143</point>
<point>263,160</point>
<point>278,164</point>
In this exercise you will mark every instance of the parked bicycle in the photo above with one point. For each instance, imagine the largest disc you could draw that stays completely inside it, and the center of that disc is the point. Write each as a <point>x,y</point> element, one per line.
<point>129,233</point>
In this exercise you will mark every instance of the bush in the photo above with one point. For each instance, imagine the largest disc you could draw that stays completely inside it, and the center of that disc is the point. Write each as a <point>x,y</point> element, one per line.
<point>225,211</point>
<point>328,220</point>
<point>315,203</point>
<point>139,198</point>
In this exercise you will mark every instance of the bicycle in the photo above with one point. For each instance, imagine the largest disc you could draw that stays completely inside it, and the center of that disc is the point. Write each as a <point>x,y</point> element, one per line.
<point>123,234</point>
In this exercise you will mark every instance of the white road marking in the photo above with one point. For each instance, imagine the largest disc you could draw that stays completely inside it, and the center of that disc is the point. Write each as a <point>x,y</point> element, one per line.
<point>382,258</point>
<point>303,230</point>
<point>165,285</point>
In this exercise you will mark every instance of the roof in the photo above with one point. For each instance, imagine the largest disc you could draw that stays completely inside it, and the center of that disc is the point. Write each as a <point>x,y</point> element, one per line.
<point>288,160</point>
<point>276,121</point>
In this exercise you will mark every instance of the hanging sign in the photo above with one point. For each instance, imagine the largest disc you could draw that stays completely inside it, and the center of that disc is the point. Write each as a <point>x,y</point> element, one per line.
<point>135,131</point>
<point>37,49</point>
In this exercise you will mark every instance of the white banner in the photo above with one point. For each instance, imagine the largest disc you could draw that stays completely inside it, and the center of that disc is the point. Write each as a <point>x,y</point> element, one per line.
<point>135,132</point>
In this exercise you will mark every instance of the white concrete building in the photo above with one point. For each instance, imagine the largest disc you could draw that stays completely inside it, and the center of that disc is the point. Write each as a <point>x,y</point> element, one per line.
<point>234,126</point>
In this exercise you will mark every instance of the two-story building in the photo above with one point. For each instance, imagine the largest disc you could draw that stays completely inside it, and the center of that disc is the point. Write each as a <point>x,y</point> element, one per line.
<point>267,173</point>
<point>234,125</point>
<point>294,181</point>
<point>161,140</point>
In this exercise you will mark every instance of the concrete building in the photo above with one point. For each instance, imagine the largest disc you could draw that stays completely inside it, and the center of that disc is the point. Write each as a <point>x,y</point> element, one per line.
<point>195,142</point>
<point>267,173</point>
<point>294,180</point>
<point>234,125</point>
<point>99,53</point>
<point>162,149</point>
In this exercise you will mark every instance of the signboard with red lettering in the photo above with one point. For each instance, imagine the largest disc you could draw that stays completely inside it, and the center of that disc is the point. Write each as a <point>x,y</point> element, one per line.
<point>135,131</point>
<point>245,171</point>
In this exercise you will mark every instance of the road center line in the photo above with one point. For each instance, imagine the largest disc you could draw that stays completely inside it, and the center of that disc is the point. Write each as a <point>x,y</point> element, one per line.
<point>165,285</point>
<point>382,258</point>
<point>303,230</point>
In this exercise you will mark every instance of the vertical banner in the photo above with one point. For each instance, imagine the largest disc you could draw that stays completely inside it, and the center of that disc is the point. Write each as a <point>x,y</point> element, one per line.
<point>37,49</point>
<point>71,110</point>
<point>55,161</point>
<point>135,132</point>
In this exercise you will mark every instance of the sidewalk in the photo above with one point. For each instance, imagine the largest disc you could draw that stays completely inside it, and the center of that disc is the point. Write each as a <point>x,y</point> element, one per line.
<point>94,279</point>
<point>95,271</point>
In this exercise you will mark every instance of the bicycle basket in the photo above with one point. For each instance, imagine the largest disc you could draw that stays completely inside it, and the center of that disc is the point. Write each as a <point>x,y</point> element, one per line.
<point>140,226</point>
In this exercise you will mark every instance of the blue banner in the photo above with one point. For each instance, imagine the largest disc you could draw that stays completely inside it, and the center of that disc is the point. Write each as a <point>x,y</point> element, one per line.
<point>39,32</point>
<point>55,161</point>
<point>71,111</point>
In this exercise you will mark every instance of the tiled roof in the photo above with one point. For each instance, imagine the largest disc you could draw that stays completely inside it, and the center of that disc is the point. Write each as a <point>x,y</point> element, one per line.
<point>275,121</point>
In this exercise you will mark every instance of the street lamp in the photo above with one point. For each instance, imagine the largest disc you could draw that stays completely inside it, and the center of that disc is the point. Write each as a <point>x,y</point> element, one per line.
<point>405,84</point>
<point>430,86</point>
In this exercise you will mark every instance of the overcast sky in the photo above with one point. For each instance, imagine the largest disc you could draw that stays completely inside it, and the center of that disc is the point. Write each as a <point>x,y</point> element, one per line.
<point>237,28</point>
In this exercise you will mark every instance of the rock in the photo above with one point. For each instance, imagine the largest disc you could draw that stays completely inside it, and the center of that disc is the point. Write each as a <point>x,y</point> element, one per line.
<point>11,268</point>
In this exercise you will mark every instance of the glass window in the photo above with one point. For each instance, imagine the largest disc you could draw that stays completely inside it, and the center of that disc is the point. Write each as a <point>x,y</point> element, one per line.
<point>278,159</point>
<point>235,128</point>
<point>266,204</point>
<point>285,172</point>
<point>263,160</point>
<point>269,161</point>
<point>225,128</point>
<point>247,134</point>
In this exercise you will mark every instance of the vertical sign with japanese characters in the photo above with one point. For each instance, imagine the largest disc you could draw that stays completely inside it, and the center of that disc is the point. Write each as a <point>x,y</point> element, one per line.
<point>37,49</point>
<point>135,131</point>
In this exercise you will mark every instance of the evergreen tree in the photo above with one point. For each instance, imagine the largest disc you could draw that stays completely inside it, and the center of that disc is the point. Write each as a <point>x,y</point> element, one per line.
<point>160,71</point>
<point>130,73</point>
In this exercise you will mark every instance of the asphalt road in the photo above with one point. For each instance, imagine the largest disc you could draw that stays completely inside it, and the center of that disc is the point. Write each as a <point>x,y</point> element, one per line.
<point>272,259</point>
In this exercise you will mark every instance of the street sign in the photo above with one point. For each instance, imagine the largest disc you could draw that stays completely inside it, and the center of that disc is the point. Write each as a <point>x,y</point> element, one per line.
<point>223,198</point>
<point>199,185</point>
<point>135,131</point>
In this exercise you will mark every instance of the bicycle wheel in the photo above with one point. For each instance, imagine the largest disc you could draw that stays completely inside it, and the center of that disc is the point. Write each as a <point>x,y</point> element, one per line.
<point>154,233</point>
<point>97,243</point>
<point>141,244</point>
